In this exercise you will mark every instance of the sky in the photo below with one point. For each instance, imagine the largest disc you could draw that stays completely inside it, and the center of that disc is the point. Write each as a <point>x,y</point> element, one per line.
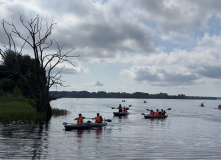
<point>151,46</point>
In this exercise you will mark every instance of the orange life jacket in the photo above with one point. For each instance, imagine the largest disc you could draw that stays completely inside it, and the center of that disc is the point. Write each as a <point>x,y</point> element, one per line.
<point>80,120</point>
<point>99,119</point>
<point>125,110</point>
<point>163,112</point>
<point>120,107</point>
<point>157,113</point>
<point>151,113</point>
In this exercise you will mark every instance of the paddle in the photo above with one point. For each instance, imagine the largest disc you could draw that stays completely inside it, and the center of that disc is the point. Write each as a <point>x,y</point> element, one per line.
<point>117,108</point>
<point>108,120</point>
<point>65,123</point>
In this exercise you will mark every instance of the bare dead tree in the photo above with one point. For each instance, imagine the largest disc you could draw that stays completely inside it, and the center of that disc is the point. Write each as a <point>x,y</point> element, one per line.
<point>45,62</point>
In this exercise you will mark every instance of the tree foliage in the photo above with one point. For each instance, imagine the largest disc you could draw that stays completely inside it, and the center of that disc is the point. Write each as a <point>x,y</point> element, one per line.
<point>35,73</point>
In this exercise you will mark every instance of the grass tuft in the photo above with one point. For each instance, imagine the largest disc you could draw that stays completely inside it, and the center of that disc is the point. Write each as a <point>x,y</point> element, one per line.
<point>59,112</point>
<point>14,109</point>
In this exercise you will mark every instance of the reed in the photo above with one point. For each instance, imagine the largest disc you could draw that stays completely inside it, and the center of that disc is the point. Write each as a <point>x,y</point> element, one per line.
<point>12,109</point>
<point>59,112</point>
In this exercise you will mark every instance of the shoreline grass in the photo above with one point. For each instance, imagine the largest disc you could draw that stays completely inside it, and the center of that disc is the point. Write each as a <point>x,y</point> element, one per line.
<point>14,109</point>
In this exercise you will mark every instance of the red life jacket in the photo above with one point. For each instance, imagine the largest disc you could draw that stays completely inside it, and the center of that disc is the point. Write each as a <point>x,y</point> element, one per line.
<point>99,119</point>
<point>80,120</point>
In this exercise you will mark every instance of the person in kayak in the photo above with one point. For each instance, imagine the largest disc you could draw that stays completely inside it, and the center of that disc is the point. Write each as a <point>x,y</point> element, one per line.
<point>151,112</point>
<point>79,119</point>
<point>125,110</point>
<point>157,112</point>
<point>163,112</point>
<point>120,108</point>
<point>98,119</point>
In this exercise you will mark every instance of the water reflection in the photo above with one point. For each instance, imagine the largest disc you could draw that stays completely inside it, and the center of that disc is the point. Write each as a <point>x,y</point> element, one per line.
<point>98,132</point>
<point>154,123</point>
<point>80,132</point>
<point>24,140</point>
<point>121,117</point>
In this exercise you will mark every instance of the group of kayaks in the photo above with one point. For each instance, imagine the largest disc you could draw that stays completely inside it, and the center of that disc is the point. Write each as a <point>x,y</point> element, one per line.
<point>202,105</point>
<point>89,124</point>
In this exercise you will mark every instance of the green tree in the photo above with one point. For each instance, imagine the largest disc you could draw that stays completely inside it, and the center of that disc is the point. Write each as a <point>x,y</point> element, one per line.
<point>40,72</point>
<point>17,92</point>
<point>7,85</point>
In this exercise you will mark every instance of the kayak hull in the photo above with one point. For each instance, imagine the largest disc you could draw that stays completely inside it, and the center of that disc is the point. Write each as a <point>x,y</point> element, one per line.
<point>120,113</point>
<point>148,116</point>
<point>71,126</point>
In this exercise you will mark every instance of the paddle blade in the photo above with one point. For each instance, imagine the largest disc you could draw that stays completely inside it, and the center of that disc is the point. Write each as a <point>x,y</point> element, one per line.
<point>127,108</point>
<point>112,108</point>
<point>147,109</point>
<point>129,105</point>
<point>169,109</point>
<point>64,123</point>
<point>108,120</point>
<point>142,114</point>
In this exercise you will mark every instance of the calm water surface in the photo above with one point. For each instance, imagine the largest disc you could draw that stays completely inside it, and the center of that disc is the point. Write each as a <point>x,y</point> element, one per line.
<point>189,132</point>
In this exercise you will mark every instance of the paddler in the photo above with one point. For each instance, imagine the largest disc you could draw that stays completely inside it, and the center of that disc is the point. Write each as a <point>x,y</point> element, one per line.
<point>157,112</point>
<point>163,112</point>
<point>151,112</point>
<point>79,119</point>
<point>120,108</point>
<point>125,110</point>
<point>98,119</point>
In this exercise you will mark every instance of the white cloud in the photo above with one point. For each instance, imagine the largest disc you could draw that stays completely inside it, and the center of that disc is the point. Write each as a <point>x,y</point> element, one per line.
<point>161,42</point>
<point>180,67</point>
<point>98,83</point>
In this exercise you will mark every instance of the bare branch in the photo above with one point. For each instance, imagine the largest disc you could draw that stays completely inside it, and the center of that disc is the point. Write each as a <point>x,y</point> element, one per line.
<point>44,63</point>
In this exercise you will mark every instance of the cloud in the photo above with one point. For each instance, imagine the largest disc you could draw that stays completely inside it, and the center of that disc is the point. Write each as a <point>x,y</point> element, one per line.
<point>94,84</point>
<point>98,84</point>
<point>69,69</point>
<point>180,67</point>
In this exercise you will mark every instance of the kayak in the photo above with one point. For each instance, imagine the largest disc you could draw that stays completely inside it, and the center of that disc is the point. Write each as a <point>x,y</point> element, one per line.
<point>70,126</point>
<point>148,116</point>
<point>120,113</point>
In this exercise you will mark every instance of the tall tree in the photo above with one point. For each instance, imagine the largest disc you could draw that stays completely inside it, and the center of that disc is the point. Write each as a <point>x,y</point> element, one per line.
<point>38,38</point>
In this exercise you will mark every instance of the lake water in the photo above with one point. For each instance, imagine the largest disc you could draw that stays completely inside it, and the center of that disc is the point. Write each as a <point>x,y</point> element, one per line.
<point>189,132</point>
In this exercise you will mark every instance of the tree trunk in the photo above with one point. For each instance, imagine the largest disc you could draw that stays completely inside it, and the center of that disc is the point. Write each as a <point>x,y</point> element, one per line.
<point>43,106</point>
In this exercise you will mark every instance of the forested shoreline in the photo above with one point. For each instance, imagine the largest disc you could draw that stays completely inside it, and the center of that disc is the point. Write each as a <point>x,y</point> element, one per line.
<point>102,94</point>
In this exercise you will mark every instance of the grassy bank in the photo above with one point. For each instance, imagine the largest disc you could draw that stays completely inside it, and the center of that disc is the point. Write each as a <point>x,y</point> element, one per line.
<point>12,109</point>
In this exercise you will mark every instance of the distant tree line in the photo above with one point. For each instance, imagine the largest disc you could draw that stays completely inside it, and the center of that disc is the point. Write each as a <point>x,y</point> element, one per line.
<point>102,94</point>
